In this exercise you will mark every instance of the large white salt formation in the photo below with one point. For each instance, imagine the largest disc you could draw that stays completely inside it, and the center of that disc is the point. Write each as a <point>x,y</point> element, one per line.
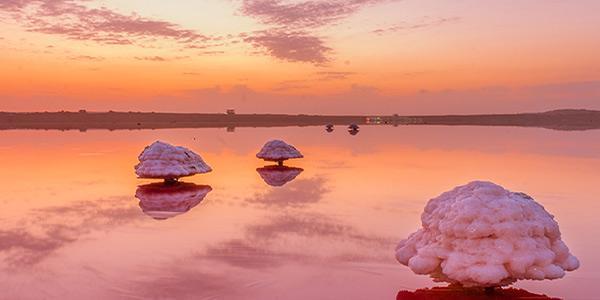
<point>161,201</point>
<point>278,175</point>
<point>168,162</point>
<point>480,234</point>
<point>279,151</point>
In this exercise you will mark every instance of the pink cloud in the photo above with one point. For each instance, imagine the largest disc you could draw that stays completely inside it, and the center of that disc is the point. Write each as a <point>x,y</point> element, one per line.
<point>291,39</point>
<point>333,75</point>
<point>160,58</point>
<point>75,21</point>
<point>213,52</point>
<point>303,14</point>
<point>425,23</point>
<point>87,58</point>
<point>295,46</point>
<point>13,5</point>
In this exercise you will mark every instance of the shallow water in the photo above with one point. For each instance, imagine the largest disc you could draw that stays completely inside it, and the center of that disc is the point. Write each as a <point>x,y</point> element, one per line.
<point>71,226</point>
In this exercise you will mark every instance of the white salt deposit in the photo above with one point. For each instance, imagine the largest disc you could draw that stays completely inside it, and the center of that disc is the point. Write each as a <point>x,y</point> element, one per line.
<point>481,234</point>
<point>162,160</point>
<point>277,150</point>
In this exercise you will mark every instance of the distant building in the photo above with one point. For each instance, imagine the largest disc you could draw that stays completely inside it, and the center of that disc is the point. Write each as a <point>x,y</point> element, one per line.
<point>82,111</point>
<point>230,111</point>
<point>373,120</point>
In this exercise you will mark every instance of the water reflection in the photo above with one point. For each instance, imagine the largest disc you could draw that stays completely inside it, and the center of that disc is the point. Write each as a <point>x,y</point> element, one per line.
<point>297,194</point>
<point>291,221</point>
<point>182,281</point>
<point>459,293</point>
<point>246,254</point>
<point>278,175</point>
<point>327,234</point>
<point>353,129</point>
<point>163,201</point>
<point>44,231</point>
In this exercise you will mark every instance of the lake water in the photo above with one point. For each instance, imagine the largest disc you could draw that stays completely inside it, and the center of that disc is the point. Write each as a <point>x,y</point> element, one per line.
<point>72,227</point>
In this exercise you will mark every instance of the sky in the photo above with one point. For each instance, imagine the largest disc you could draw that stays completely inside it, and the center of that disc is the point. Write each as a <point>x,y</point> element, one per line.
<point>300,56</point>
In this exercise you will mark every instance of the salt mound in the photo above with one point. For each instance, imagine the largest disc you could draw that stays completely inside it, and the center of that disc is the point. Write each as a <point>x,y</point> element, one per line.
<point>480,234</point>
<point>277,150</point>
<point>165,161</point>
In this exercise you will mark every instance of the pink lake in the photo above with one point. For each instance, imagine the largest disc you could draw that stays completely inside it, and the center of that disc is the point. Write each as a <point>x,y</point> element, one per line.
<point>72,228</point>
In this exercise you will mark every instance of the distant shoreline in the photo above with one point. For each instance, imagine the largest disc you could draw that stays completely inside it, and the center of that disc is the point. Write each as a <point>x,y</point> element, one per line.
<point>567,119</point>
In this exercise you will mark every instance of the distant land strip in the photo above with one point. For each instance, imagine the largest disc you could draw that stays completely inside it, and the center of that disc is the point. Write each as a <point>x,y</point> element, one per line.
<point>565,119</point>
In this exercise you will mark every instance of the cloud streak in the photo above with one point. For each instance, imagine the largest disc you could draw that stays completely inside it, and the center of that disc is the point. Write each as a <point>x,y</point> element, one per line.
<point>425,23</point>
<point>86,58</point>
<point>333,75</point>
<point>160,58</point>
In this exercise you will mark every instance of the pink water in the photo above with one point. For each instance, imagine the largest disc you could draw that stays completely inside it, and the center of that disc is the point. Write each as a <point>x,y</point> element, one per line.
<point>72,228</point>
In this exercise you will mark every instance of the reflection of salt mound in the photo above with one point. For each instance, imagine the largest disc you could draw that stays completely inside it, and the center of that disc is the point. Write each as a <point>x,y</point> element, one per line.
<point>163,201</point>
<point>278,175</point>
<point>458,293</point>
<point>165,161</point>
<point>483,235</point>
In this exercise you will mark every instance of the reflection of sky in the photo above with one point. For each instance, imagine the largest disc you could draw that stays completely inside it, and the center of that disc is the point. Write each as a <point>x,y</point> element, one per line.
<point>71,223</point>
<point>372,139</point>
<point>46,230</point>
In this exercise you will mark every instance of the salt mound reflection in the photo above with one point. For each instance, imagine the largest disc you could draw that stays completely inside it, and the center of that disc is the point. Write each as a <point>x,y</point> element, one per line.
<point>163,201</point>
<point>459,293</point>
<point>278,175</point>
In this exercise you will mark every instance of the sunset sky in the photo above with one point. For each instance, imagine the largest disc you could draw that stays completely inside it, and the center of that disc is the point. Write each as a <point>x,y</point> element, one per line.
<point>298,56</point>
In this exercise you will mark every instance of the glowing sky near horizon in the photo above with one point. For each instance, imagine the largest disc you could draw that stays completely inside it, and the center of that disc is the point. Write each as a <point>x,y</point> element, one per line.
<point>320,56</point>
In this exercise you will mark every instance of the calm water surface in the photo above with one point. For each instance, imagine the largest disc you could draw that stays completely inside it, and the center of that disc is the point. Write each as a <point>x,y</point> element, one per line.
<point>72,227</point>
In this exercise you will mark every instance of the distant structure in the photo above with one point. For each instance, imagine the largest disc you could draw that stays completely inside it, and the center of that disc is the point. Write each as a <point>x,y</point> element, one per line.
<point>373,120</point>
<point>329,127</point>
<point>82,111</point>
<point>230,111</point>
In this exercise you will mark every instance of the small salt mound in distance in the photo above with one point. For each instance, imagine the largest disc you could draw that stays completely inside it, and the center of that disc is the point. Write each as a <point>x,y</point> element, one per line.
<point>277,150</point>
<point>481,234</point>
<point>165,161</point>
